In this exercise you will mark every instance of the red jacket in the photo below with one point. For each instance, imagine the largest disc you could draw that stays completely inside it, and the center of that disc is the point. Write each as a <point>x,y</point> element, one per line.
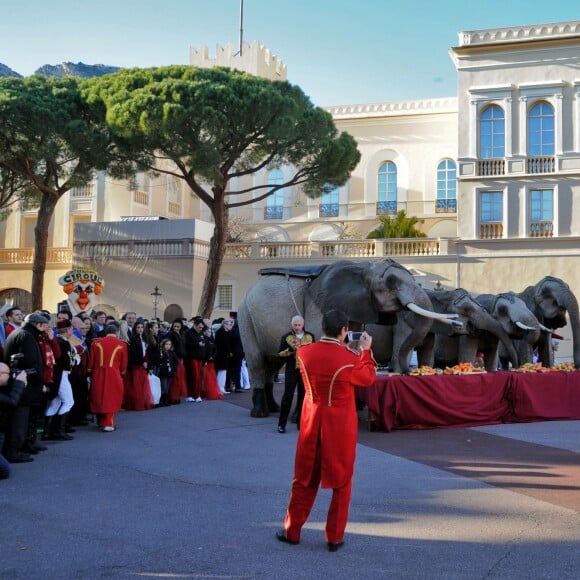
<point>107,365</point>
<point>330,371</point>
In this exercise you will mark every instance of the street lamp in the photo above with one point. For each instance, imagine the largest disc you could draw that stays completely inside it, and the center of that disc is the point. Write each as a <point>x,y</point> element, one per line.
<point>156,295</point>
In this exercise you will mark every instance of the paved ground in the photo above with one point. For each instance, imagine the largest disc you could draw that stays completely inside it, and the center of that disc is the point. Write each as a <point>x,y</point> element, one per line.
<point>198,490</point>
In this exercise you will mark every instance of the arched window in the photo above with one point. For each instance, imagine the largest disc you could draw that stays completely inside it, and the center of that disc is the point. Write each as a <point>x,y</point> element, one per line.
<point>387,189</point>
<point>492,133</point>
<point>541,130</point>
<point>329,203</point>
<point>274,209</point>
<point>446,187</point>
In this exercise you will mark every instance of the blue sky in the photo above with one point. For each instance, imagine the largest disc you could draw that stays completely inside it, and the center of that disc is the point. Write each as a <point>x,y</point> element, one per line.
<point>337,51</point>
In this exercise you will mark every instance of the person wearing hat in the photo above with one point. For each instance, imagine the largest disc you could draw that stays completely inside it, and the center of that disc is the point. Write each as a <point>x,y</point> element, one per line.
<point>24,341</point>
<point>60,405</point>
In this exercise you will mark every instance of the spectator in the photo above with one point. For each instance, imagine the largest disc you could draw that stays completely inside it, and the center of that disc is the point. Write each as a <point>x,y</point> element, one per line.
<point>194,341</point>
<point>178,387</point>
<point>13,320</point>
<point>137,389</point>
<point>167,369</point>
<point>11,390</point>
<point>24,341</point>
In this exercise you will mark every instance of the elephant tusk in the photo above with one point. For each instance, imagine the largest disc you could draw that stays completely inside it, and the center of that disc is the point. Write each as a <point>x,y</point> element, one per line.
<point>524,327</point>
<point>427,313</point>
<point>545,328</point>
<point>457,323</point>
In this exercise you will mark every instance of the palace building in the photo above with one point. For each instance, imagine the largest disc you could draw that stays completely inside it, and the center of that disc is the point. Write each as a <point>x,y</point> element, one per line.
<point>492,174</point>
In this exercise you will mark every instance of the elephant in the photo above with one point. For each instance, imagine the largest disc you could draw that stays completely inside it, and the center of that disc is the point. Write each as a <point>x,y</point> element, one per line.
<point>550,299</point>
<point>445,345</point>
<point>518,321</point>
<point>368,292</point>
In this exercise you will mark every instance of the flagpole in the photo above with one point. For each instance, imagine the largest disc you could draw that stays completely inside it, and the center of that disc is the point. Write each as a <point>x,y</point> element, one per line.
<point>241,25</point>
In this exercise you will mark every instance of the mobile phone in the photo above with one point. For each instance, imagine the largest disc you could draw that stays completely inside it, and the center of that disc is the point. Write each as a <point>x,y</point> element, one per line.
<point>354,336</point>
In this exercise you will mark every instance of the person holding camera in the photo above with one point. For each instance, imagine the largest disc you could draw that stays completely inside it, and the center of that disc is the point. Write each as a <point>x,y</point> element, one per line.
<point>11,390</point>
<point>326,447</point>
<point>22,347</point>
<point>289,345</point>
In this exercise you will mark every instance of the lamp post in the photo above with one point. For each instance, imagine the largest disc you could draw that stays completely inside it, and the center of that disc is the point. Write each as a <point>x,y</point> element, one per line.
<point>156,295</point>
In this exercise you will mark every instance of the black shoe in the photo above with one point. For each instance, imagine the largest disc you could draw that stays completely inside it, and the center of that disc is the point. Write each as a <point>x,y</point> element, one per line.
<point>30,449</point>
<point>19,458</point>
<point>238,390</point>
<point>334,546</point>
<point>281,535</point>
<point>39,447</point>
<point>281,429</point>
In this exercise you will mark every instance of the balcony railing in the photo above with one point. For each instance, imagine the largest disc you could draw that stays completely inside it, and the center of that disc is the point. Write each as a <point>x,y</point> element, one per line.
<point>386,208</point>
<point>491,167</point>
<point>141,197</point>
<point>26,256</point>
<point>541,165</point>
<point>83,191</point>
<point>446,206</point>
<point>541,229</point>
<point>328,210</point>
<point>490,231</point>
<point>274,212</point>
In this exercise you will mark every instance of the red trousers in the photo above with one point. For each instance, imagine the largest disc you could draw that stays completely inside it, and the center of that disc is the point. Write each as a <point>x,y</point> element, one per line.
<point>106,419</point>
<point>300,505</point>
<point>194,380</point>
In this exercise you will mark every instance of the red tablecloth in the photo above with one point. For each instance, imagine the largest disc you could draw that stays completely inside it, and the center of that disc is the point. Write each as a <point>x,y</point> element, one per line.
<point>425,402</point>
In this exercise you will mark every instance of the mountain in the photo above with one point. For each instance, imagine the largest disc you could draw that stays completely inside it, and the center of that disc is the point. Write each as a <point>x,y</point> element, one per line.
<point>6,71</point>
<point>78,69</point>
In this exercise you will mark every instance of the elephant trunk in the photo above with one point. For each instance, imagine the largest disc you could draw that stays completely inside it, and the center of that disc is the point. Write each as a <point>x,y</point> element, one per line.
<point>568,300</point>
<point>497,330</point>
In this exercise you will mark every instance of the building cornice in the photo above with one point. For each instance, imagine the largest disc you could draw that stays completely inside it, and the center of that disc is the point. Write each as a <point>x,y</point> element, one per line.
<point>554,31</point>
<point>394,109</point>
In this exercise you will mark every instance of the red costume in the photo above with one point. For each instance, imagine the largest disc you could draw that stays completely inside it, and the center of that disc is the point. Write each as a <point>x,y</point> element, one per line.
<point>107,365</point>
<point>326,448</point>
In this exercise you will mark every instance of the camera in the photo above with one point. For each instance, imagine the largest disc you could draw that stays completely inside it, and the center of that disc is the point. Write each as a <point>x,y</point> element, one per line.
<point>354,336</point>
<point>15,362</point>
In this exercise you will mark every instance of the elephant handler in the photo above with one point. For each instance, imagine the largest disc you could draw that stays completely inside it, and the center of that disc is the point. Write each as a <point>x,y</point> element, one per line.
<point>326,447</point>
<point>289,344</point>
<point>107,365</point>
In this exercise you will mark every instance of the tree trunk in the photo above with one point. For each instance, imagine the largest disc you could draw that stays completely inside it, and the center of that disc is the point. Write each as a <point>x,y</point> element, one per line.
<point>217,249</point>
<point>45,213</point>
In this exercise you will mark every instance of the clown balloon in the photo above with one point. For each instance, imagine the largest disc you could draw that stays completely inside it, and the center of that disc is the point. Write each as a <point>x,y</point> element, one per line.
<point>81,285</point>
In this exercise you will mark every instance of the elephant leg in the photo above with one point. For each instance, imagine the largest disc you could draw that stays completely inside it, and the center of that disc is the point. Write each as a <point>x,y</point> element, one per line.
<point>467,350</point>
<point>260,405</point>
<point>426,351</point>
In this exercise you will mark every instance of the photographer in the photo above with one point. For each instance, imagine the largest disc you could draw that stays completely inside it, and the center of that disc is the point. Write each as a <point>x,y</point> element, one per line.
<point>24,341</point>
<point>11,390</point>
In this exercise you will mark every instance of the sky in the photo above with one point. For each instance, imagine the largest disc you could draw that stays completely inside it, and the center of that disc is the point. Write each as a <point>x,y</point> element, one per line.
<point>338,51</point>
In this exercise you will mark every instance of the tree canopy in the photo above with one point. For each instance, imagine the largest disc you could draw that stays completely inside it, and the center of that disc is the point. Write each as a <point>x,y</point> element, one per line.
<point>214,125</point>
<point>51,140</point>
<point>400,226</point>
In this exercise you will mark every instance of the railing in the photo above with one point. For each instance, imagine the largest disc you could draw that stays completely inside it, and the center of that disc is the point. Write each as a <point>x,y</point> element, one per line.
<point>274,212</point>
<point>490,167</point>
<point>341,249</point>
<point>26,256</point>
<point>141,197</point>
<point>82,191</point>
<point>386,208</point>
<point>328,210</point>
<point>156,248</point>
<point>541,165</point>
<point>349,249</point>
<point>446,206</point>
<point>411,247</point>
<point>541,229</point>
<point>174,208</point>
<point>490,231</point>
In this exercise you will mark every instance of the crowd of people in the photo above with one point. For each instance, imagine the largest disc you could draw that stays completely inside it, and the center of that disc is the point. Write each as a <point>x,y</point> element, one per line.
<point>64,371</point>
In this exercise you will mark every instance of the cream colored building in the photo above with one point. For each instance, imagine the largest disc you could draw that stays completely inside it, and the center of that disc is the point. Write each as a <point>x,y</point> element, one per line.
<point>493,174</point>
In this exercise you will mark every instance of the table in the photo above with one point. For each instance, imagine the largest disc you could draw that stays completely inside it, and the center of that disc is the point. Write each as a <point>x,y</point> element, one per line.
<point>426,402</point>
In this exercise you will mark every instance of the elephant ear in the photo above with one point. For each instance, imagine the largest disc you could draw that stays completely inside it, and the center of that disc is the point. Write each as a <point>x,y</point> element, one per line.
<point>344,286</point>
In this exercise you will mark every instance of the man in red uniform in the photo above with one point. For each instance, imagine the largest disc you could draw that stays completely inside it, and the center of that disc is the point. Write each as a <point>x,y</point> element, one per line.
<point>326,447</point>
<point>107,365</point>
